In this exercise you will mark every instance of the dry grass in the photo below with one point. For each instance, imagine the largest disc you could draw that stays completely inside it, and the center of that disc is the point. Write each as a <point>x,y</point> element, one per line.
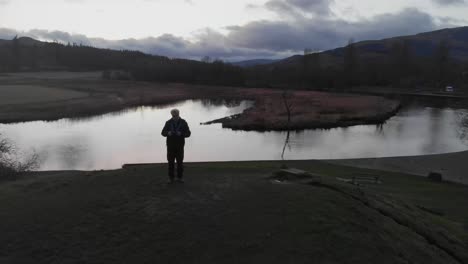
<point>313,110</point>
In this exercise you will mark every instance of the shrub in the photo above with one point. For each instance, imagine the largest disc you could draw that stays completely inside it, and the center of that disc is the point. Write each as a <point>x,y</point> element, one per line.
<point>11,166</point>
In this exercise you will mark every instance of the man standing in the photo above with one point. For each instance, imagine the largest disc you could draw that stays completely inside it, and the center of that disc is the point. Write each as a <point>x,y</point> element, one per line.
<point>176,130</point>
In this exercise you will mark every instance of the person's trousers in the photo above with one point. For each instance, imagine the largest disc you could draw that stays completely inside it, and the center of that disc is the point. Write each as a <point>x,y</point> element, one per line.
<point>176,154</point>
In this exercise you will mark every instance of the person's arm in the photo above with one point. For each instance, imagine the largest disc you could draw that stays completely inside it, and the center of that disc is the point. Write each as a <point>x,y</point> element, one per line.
<point>165,131</point>
<point>187,132</point>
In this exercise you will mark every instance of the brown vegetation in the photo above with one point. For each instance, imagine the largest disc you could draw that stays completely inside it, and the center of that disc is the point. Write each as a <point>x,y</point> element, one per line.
<point>311,110</point>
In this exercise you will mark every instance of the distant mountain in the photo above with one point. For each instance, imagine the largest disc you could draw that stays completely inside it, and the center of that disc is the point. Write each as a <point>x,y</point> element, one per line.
<point>23,41</point>
<point>251,63</point>
<point>421,45</point>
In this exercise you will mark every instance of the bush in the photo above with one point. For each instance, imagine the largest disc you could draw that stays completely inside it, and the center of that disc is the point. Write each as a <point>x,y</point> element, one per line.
<point>11,166</point>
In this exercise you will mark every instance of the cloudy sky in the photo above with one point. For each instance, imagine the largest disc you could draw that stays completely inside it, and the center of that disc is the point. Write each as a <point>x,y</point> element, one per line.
<point>227,29</point>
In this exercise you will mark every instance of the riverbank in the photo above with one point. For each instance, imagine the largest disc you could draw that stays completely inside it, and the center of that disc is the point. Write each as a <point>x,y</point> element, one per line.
<point>231,213</point>
<point>52,96</point>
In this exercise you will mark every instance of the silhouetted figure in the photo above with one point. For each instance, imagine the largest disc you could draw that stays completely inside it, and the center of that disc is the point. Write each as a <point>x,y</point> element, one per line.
<point>176,130</point>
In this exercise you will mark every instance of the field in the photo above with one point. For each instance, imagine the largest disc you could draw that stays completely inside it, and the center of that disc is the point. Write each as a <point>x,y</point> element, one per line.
<point>231,213</point>
<point>33,94</point>
<point>51,96</point>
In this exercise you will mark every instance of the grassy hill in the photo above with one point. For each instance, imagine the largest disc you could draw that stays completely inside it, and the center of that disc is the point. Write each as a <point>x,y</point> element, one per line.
<point>231,213</point>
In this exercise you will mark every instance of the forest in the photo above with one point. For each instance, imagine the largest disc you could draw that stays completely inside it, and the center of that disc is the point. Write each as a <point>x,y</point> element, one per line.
<point>352,66</point>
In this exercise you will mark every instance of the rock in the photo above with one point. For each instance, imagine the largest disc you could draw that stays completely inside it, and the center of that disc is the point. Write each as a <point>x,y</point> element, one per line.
<point>435,176</point>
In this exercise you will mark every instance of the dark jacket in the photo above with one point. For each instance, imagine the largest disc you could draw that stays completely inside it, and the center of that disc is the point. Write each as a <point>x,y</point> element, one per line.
<point>176,127</point>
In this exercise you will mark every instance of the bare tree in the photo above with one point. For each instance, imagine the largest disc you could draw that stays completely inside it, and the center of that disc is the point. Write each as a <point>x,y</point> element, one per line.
<point>10,164</point>
<point>288,105</point>
<point>287,101</point>
<point>286,144</point>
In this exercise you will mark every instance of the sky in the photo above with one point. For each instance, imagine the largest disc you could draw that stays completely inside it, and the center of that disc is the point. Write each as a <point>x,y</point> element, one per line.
<point>230,30</point>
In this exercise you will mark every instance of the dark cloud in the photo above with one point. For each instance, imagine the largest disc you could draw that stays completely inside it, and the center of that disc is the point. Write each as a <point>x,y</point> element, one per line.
<point>208,42</point>
<point>294,7</point>
<point>261,39</point>
<point>325,33</point>
<point>448,2</point>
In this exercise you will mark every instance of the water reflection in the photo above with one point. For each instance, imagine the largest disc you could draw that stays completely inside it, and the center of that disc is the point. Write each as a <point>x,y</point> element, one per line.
<point>462,124</point>
<point>133,136</point>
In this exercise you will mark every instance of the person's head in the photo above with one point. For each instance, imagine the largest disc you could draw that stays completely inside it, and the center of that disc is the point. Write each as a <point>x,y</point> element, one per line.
<point>175,113</point>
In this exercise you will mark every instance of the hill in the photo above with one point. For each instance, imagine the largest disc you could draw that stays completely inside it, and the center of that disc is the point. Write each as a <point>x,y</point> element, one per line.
<point>26,54</point>
<point>421,45</point>
<point>250,63</point>
<point>431,60</point>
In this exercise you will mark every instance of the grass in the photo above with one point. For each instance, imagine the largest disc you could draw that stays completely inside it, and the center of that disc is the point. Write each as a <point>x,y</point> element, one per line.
<point>226,212</point>
<point>27,94</point>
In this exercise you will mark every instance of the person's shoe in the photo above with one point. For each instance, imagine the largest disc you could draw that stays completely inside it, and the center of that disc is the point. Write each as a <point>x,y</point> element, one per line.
<point>180,180</point>
<point>171,181</point>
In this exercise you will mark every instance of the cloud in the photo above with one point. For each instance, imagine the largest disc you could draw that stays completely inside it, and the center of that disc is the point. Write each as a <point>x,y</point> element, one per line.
<point>448,2</point>
<point>264,38</point>
<point>207,43</point>
<point>323,33</point>
<point>294,7</point>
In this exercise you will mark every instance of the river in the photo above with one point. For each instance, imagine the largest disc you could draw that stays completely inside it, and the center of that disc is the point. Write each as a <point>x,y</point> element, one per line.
<point>133,136</point>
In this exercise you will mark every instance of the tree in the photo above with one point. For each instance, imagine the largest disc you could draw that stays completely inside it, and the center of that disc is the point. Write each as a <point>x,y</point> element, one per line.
<point>16,53</point>
<point>306,67</point>
<point>10,165</point>
<point>441,57</point>
<point>34,57</point>
<point>288,104</point>
<point>350,63</point>
<point>401,61</point>
<point>206,59</point>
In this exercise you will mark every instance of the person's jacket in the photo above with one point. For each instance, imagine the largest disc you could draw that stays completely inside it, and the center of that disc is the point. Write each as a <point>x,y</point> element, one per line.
<point>180,130</point>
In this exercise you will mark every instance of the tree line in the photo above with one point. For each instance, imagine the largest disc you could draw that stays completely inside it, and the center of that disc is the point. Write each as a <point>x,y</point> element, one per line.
<point>32,56</point>
<point>400,66</point>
